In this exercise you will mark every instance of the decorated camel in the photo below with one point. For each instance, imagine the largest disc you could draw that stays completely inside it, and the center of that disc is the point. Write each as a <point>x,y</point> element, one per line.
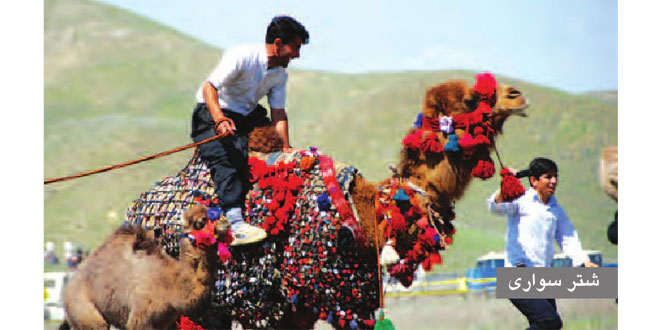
<point>328,226</point>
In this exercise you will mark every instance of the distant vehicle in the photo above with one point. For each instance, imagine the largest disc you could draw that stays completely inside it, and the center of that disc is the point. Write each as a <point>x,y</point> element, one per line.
<point>562,260</point>
<point>482,278</point>
<point>54,282</point>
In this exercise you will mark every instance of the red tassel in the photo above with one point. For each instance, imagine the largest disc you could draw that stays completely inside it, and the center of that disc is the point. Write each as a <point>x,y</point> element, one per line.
<point>398,221</point>
<point>413,140</point>
<point>186,324</point>
<point>511,188</point>
<point>485,85</point>
<point>433,259</point>
<point>431,143</point>
<point>484,169</point>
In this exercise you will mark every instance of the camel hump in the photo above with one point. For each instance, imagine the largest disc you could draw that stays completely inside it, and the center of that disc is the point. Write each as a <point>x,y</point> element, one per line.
<point>143,239</point>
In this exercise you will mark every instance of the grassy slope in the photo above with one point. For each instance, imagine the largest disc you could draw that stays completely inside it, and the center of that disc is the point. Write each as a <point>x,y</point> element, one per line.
<point>118,86</point>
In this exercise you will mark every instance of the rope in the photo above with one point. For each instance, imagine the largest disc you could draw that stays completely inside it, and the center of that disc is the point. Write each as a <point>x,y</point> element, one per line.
<point>497,154</point>
<point>133,162</point>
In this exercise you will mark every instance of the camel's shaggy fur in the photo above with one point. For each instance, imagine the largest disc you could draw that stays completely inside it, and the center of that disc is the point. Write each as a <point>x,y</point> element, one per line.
<point>609,172</point>
<point>130,283</point>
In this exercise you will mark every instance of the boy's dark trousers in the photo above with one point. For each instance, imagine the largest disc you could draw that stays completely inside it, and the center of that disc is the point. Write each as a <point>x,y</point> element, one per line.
<point>541,313</point>
<point>227,158</point>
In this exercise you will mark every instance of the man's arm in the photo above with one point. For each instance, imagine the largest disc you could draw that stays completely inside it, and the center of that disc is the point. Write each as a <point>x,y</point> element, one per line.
<point>223,125</point>
<point>281,123</point>
<point>497,205</point>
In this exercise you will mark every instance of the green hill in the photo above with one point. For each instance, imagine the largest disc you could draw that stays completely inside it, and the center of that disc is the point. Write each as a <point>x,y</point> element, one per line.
<point>118,87</point>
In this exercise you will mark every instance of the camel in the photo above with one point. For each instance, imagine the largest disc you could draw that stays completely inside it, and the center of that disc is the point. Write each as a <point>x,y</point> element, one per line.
<point>130,283</point>
<point>609,172</point>
<point>320,259</point>
<point>609,181</point>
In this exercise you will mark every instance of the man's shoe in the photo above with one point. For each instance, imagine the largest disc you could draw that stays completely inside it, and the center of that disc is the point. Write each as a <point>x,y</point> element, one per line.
<point>246,234</point>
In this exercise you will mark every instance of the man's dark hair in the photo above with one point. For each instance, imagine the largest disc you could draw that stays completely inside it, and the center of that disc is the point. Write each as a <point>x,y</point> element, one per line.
<point>537,167</point>
<point>287,29</point>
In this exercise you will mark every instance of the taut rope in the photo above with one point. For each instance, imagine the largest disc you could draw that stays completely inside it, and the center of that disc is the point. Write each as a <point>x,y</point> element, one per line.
<point>132,162</point>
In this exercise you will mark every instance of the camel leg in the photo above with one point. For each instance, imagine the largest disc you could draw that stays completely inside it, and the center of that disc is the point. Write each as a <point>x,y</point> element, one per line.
<point>83,315</point>
<point>138,320</point>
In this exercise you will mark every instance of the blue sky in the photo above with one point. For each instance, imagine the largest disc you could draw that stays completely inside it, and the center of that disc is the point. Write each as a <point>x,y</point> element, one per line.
<point>566,44</point>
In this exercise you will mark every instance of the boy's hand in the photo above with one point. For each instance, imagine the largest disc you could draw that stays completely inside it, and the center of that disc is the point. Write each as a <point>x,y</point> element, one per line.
<point>590,264</point>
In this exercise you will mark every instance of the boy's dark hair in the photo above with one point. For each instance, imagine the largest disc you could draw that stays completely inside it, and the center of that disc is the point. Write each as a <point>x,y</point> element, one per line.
<point>537,167</point>
<point>287,29</point>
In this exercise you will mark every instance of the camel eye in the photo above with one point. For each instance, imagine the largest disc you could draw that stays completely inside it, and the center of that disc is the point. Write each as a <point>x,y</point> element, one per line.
<point>513,94</point>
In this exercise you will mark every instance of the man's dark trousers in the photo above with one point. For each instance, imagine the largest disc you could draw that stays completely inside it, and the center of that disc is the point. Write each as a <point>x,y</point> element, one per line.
<point>227,158</point>
<point>541,313</point>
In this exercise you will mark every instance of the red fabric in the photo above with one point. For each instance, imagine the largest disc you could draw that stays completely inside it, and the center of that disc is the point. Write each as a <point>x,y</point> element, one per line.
<point>398,221</point>
<point>432,124</point>
<point>486,85</point>
<point>433,259</point>
<point>511,188</point>
<point>425,143</point>
<point>427,237</point>
<point>414,140</point>
<point>465,120</point>
<point>186,324</point>
<point>469,143</point>
<point>223,252</point>
<point>345,212</point>
<point>484,169</point>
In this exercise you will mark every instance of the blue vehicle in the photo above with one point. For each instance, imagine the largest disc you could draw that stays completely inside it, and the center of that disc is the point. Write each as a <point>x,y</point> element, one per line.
<point>482,278</point>
<point>562,260</point>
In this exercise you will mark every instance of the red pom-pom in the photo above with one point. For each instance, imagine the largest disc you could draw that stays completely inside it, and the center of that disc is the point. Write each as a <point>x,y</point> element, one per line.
<point>511,188</point>
<point>485,85</point>
<point>223,252</point>
<point>398,221</point>
<point>413,140</point>
<point>427,237</point>
<point>484,169</point>
<point>431,143</point>
<point>433,259</point>
<point>186,324</point>
<point>369,323</point>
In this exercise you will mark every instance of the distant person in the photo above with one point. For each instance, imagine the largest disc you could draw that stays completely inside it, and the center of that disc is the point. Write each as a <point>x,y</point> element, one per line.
<point>535,219</point>
<point>49,254</point>
<point>227,105</point>
<point>68,254</point>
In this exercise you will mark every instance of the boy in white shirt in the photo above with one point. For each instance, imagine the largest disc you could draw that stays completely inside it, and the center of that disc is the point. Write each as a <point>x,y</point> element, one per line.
<point>535,220</point>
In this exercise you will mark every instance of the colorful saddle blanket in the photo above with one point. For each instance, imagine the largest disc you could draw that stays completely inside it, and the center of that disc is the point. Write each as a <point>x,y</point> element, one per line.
<point>306,262</point>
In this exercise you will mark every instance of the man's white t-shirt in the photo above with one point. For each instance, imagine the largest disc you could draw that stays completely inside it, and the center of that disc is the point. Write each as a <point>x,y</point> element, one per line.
<point>242,78</point>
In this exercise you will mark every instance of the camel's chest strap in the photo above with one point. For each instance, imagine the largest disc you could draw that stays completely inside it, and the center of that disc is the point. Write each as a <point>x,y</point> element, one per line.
<point>348,218</point>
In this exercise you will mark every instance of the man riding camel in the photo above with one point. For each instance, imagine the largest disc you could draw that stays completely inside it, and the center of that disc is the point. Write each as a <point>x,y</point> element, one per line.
<point>227,105</point>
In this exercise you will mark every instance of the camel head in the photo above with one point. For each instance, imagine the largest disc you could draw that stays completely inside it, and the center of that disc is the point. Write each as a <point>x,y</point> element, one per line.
<point>609,172</point>
<point>510,102</point>
<point>203,231</point>
<point>454,135</point>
